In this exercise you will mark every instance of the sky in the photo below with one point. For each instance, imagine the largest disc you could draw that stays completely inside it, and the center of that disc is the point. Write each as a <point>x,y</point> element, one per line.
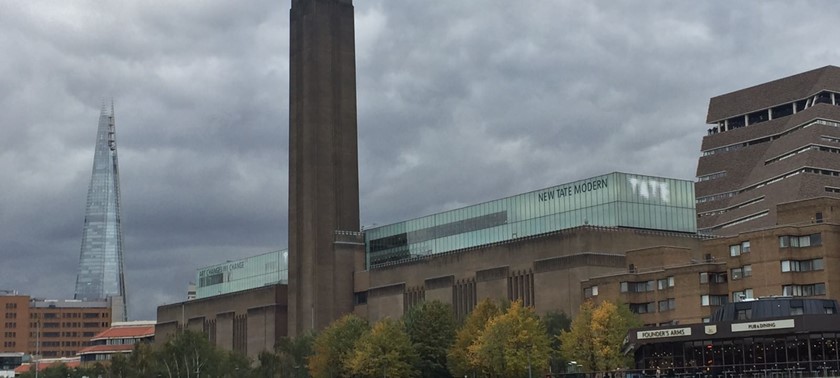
<point>459,102</point>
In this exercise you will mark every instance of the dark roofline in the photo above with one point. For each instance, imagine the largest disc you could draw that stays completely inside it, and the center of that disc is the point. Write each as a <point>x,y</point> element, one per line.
<point>776,92</point>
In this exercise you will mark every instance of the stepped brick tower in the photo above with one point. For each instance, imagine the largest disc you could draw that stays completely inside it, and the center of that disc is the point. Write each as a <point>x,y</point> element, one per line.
<point>100,275</point>
<point>772,143</point>
<point>323,163</point>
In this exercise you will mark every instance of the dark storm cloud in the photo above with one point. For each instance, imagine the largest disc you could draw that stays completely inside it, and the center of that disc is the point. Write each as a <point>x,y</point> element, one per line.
<point>459,102</point>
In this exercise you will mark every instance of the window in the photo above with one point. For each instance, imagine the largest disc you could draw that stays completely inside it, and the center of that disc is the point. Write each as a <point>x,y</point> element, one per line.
<point>738,296</point>
<point>665,283</point>
<point>642,308</point>
<point>802,266</point>
<point>741,272</point>
<point>738,249</point>
<point>804,290</point>
<point>713,300</point>
<point>743,313</point>
<point>800,241</point>
<point>667,305</point>
<point>590,292</point>
<point>360,298</point>
<point>707,277</point>
<point>637,287</point>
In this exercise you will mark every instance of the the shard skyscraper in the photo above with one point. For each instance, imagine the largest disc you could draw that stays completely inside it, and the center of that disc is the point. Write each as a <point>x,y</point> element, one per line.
<point>100,274</point>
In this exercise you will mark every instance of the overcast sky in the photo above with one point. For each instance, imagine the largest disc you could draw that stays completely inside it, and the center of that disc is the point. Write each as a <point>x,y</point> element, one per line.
<point>459,102</point>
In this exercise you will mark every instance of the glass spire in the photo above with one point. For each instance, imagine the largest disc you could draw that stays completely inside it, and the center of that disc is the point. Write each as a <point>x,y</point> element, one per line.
<point>100,275</point>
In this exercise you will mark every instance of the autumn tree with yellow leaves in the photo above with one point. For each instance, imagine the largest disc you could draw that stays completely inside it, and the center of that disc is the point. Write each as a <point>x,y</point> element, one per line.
<point>513,344</point>
<point>597,335</point>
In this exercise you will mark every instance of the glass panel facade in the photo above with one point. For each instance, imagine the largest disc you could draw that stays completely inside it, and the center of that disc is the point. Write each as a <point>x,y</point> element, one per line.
<point>100,273</point>
<point>612,200</point>
<point>248,273</point>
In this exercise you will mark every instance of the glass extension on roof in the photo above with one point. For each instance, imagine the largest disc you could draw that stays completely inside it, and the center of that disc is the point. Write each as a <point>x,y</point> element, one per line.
<point>612,200</point>
<point>248,273</point>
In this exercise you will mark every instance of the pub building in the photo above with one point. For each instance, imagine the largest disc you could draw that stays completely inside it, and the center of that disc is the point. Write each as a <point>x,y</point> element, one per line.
<point>778,336</point>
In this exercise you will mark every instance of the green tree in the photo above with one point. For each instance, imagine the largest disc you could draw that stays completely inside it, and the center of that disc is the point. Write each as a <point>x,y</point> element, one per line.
<point>334,344</point>
<point>513,343</point>
<point>576,343</point>
<point>459,359</point>
<point>293,355</point>
<point>597,334</point>
<point>141,361</point>
<point>189,354</point>
<point>119,366</point>
<point>555,322</point>
<point>431,327</point>
<point>269,366</point>
<point>384,351</point>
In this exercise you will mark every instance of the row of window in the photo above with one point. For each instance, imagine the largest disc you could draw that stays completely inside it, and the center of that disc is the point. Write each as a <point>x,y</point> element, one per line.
<point>711,176</point>
<point>11,315</point>
<point>642,286</point>
<point>720,196</point>
<point>746,312</point>
<point>68,315</point>
<point>802,265</point>
<point>738,249</point>
<point>9,334</point>
<point>800,241</point>
<point>651,307</point>
<point>713,300</point>
<point>785,241</point>
<point>9,344</point>
<point>11,306</point>
<point>804,290</point>
<point>11,325</point>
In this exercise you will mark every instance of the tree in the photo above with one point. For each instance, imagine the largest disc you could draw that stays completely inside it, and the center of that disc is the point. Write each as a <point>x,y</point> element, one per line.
<point>610,324</point>
<point>142,361</point>
<point>554,323</point>
<point>293,355</point>
<point>334,344</point>
<point>269,366</point>
<point>118,366</point>
<point>513,343</point>
<point>189,354</point>
<point>384,351</point>
<point>431,327</point>
<point>597,334</point>
<point>576,343</point>
<point>459,359</point>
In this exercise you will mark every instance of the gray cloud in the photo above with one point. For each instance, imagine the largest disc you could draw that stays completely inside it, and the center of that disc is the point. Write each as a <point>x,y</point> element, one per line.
<point>459,102</point>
